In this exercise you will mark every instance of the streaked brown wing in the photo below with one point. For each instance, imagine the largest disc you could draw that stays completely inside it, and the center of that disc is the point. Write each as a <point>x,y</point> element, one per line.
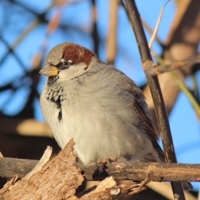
<point>150,131</point>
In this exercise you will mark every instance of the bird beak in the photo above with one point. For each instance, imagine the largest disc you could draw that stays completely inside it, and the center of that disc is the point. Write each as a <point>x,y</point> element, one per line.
<point>49,71</point>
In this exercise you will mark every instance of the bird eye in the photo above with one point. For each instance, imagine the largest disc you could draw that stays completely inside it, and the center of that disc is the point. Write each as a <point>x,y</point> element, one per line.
<point>66,63</point>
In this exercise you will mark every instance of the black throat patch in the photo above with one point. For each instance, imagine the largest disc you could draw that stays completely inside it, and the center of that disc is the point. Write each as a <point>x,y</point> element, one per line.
<point>52,80</point>
<point>55,94</point>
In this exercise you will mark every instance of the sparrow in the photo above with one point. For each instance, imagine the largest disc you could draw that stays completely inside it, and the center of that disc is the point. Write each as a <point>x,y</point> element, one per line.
<point>97,105</point>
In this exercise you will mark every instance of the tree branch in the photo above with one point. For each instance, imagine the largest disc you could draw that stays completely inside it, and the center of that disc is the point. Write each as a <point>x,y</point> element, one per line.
<point>177,64</point>
<point>182,42</point>
<point>136,171</point>
<point>94,32</point>
<point>154,85</point>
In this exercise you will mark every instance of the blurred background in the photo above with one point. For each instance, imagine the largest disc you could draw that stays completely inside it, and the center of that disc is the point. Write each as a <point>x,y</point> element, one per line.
<point>29,29</point>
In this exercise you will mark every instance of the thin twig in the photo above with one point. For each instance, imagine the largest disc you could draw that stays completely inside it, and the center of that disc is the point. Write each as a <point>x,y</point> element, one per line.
<point>160,69</point>
<point>150,30</point>
<point>157,26</point>
<point>95,35</point>
<point>145,24</point>
<point>111,42</point>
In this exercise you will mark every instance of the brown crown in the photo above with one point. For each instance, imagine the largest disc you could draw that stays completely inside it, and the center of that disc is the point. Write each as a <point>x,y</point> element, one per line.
<point>77,54</point>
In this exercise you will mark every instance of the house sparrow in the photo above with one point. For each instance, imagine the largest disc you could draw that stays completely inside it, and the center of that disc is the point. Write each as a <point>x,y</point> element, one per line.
<point>98,106</point>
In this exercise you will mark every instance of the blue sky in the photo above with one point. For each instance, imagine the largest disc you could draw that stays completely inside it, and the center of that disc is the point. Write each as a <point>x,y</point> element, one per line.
<point>183,121</point>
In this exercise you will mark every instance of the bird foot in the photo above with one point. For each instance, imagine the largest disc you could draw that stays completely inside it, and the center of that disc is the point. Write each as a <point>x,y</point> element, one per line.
<point>141,185</point>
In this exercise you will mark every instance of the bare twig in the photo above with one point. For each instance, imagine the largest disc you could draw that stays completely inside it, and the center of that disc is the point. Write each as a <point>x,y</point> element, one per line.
<point>150,30</point>
<point>182,42</point>
<point>155,90</point>
<point>112,33</point>
<point>177,64</point>
<point>189,62</point>
<point>146,26</point>
<point>94,33</point>
<point>157,26</point>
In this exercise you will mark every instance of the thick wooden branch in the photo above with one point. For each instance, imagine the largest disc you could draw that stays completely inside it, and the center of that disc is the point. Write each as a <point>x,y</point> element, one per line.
<point>134,171</point>
<point>9,167</point>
